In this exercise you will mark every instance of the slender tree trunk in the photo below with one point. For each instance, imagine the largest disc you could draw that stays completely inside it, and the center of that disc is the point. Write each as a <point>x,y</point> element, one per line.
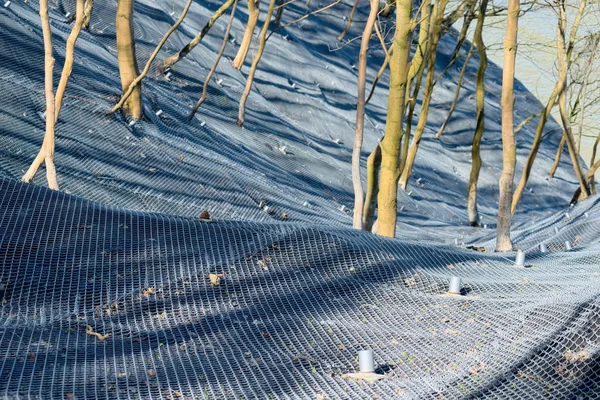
<point>469,16</point>
<point>360,115</point>
<point>128,68</point>
<point>87,14</point>
<point>175,58</point>
<point>592,183</point>
<point>509,148</point>
<point>562,99</point>
<point>53,104</point>
<point>253,12</point>
<point>390,145</point>
<point>279,14</point>
<point>215,64</point>
<point>535,145</point>
<point>558,88</point>
<point>472,211</point>
<point>69,57</point>
<point>255,61</point>
<point>416,70</point>
<point>373,168</point>
<point>136,82</point>
<point>559,151</point>
<point>456,93</point>
<point>388,8</point>
<point>437,19</point>
<point>349,24</point>
<point>583,92</point>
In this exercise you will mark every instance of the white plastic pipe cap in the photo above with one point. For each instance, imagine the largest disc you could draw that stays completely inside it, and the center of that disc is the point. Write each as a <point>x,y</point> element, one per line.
<point>520,259</point>
<point>556,229</point>
<point>365,361</point>
<point>543,248</point>
<point>455,285</point>
<point>568,245</point>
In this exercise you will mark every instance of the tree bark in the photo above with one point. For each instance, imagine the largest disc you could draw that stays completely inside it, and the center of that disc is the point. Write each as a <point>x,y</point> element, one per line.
<point>279,14</point>
<point>349,23</point>
<point>87,14</point>
<point>390,145</point>
<point>434,37</point>
<point>559,151</point>
<point>373,168</point>
<point>215,64</point>
<point>457,92</point>
<point>509,148</point>
<point>136,82</point>
<point>562,98</point>
<point>255,61</point>
<point>128,68</point>
<point>175,58</point>
<point>360,115</point>
<point>253,12</point>
<point>417,68</point>
<point>53,104</point>
<point>472,211</point>
<point>559,87</point>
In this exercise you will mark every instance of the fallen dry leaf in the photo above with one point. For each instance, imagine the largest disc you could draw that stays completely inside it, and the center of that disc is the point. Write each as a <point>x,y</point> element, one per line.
<point>215,279</point>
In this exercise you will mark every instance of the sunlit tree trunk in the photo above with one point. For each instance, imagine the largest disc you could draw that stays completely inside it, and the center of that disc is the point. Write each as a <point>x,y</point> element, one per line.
<point>253,12</point>
<point>559,87</point>
<point>215,64</point>
<point>255,61</point>
<point>360,115</point>
<point>137,81</point>
<point>373,167</point>
<point>509,148</point>
<point>416,70</point>
<point>349,23</point>
<point>87,14</point>
<point>175,58</point>
<point>128,68</point>
<point>472,211</point>
<point>434,37</point>
<point>390,145</point>
<point>562,99</point>
<point>53,103</point>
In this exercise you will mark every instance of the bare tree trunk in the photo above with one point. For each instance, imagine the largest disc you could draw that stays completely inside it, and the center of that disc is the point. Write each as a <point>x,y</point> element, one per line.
<point>215,64</point>
<point>255,61</point>
<point>562,98</point>
<point>53,104</point>
<point>456,93</point>
<point>87,14</point>
<point>417,68</point>
<point>583,92</point>
<point>136,82</point>
<point>390,145</point>
<point>279,14</point>
<point>509,148</point>
<point>437,19</point>
<point>360,115</point>
<point>559,151</point>
<point>69,57</point>
<point>469,16</point>
<point>349,24</point>
<point>175,58</point>
<point>559,87</point>
<point>388,8</point>
<point>373,168</point>
<point>253,12</point>
<point>472,211</point>
<point>128,68</point>
<point>593,181</point>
